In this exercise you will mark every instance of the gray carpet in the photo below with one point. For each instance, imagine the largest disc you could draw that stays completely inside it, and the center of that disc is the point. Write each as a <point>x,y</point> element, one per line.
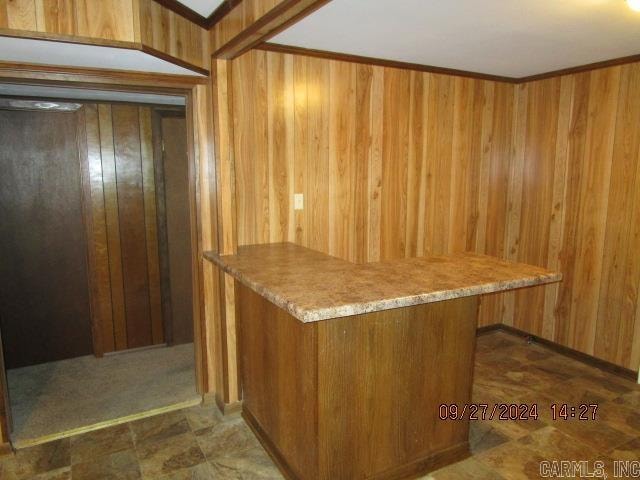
<point>60,396</point>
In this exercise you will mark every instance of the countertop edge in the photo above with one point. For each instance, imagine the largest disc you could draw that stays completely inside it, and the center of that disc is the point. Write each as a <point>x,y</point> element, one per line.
<point>316,315</point>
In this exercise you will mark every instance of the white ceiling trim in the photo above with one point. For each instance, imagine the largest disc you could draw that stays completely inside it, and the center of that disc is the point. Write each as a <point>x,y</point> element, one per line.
<point>511,38</point>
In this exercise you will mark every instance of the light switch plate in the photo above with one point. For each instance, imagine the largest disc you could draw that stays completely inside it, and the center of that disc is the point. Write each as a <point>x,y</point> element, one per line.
<point>298,201</point>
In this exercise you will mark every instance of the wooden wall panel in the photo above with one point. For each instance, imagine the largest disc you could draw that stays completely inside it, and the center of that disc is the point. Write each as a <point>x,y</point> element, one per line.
<point>112,224</point>
<point>95,206</point>
<point>99,19</point>
<point>108,19</point>
<point>56,16</point>
<point>131,212</point>
<point>151,225</point>
<point>169,33</point>
<point>400,163</point>
<point>579,211</point>
<point>388,160</point>
<point>44,293</point>
<point>140,24</point>
<point>123,254</point>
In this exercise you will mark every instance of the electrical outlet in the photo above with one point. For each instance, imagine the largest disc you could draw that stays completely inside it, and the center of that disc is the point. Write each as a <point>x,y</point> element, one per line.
<point>298,201</point>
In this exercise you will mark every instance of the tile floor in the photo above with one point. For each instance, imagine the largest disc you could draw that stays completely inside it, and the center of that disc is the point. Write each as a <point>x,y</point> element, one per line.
<point>196,443</point>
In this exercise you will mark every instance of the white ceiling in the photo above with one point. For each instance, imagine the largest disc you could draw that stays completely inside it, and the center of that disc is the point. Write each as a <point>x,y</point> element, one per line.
<point>513,38</point>
<point>203,7</point>
<point>72,55</point>
<point>50,92</point>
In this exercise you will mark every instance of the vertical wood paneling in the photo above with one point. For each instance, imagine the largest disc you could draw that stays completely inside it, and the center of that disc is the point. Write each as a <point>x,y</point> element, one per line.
<point>172,34</point>
<point>579,211</point>
<point>368,147</point>
<point>416,167</point>
<point>395,158</point>
<point>20,14</point>
<point>539,161</point>
<point>150,224</point>
<point>620,268</point>
<point>97,237</point>
<point>56,16</point>
<point>317,193</point>
<point>110,190</point>
<point>593,200</point>
<point>301,140</point>
<point>126,135</point>
<point>108,19</point>
<point>139,22</point>
<point>409,163</point>
<point>342,167</point>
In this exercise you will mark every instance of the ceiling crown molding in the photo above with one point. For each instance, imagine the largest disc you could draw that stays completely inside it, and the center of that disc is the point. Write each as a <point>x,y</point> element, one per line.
<point>205,22</point>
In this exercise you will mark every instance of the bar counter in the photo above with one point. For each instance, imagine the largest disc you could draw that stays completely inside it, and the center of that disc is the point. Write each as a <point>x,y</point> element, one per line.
<point>344,366</point>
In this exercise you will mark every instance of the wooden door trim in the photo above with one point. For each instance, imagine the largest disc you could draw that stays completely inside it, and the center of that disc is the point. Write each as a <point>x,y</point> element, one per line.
<point>136,82</point>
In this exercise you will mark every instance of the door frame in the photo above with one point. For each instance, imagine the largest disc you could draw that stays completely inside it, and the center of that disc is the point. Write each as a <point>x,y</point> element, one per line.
<point>197,92</point>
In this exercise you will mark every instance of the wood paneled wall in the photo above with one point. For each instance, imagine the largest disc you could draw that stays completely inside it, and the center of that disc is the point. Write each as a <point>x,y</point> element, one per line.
<point>575,198</point>
<point>397,163</point>
<point>392,163</point>
<point>138,23</point>
<point>122,227</point>
<point>103,19</point>
<point>169,33</point>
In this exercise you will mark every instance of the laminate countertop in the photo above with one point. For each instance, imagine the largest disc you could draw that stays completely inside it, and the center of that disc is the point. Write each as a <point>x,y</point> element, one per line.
<point>313,286</point>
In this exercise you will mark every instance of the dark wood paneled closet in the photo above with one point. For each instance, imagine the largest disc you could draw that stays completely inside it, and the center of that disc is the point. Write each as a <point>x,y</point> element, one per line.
<point>44,298</point>
<point>86,231</point>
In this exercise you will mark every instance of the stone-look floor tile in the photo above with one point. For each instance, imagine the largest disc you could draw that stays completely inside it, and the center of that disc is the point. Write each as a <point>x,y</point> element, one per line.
<point>619,416</point>
<point>566,365</point>
<point>32,461</point>
<point>91,445</point>
<point>469,469</point>
<point>513,461</point>
<point>252,464</point>
<point>116,466</point>
<point>626,451</point>
<point>553,444</point>
<point>226,438</point>
<point>523,352</point>
<point>598,434</point>
<point>630,400</point>
<point>495,341</point>
<point>200,416</point>
<point>168,455</point>
<point>159,427</point>
<point>203,471</point>
<point>577,391</point>
<point>482,436</point>
<point>59,474</point>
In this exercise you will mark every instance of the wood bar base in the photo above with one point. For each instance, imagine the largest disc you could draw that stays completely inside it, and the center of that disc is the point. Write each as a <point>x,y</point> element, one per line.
<point>411,470</point>
<point>357,397</point>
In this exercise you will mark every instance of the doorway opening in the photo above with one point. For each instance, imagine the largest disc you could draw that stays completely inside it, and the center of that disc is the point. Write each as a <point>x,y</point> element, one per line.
<point>96,300</point>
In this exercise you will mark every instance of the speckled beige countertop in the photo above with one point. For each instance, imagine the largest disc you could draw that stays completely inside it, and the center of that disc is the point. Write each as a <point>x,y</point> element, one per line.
<point>313,286</point>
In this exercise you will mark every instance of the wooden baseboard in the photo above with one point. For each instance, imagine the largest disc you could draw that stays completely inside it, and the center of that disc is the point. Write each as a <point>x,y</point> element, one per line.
<point>563,350</point>
<point>415,469</point>
<point>420,467</point>
<point>488,329</point>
